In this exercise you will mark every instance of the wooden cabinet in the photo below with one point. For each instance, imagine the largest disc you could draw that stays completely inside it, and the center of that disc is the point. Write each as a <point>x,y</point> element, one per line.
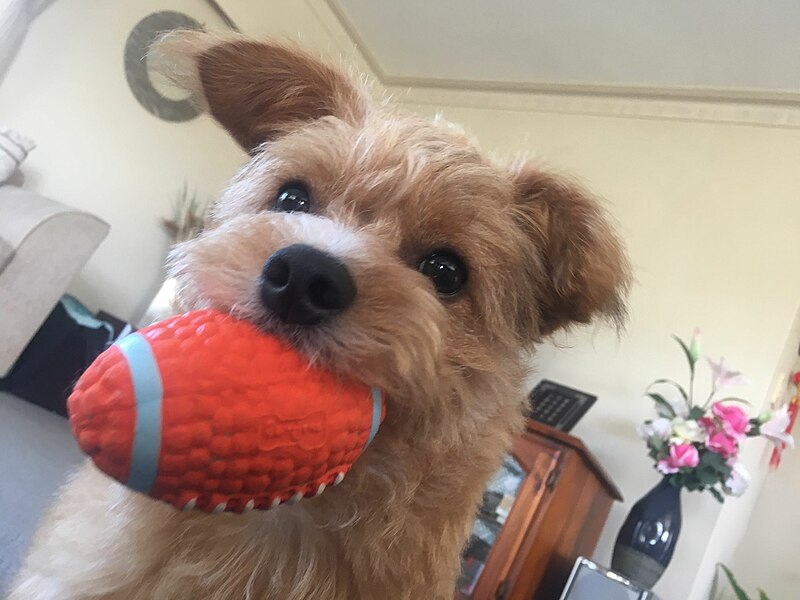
<point>545,508</point>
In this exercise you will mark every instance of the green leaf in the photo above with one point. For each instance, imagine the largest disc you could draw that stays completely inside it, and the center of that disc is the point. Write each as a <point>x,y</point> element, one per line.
<point>707,476</point>
<point>762,595</point>
<point>717,495</point>
<point>693,484</point>
<point>663,407</point>
<point>674,384</point>
<point>740,593</point>
<point>712,460</point>
<point>686,352</point>
<point>696,413</point>
<point>657,443</point>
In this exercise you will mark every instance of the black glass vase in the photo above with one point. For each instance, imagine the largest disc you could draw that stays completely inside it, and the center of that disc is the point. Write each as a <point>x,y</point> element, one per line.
<point>648,536</point>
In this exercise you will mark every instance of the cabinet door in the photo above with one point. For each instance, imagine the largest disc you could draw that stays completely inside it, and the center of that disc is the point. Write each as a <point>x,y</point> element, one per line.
<point>509,507</point>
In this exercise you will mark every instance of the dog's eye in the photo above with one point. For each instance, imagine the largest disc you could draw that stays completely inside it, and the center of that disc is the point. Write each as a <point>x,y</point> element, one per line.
<point>293,197</point>
<point>446,270</point>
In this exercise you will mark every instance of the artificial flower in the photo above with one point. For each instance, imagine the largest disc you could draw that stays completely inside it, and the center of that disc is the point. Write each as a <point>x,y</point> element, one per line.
<point>660,428</point>
<point>775,428</point>
<point>735,421</point>
<point>708,424</point>
<point>665,467</point>
<point>721,443</point>
<point>737,482</point>
<point>724,377</point>
<point>681,456</point>
<point>679,406</point>
<point>694,345</point>
<point>687,430</point>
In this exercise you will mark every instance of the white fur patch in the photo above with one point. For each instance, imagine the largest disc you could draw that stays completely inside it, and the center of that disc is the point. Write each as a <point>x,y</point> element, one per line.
<point>175,56</point>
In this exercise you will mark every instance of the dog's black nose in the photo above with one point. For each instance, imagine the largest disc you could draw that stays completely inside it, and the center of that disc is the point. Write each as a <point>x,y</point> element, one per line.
<point>304,286</point>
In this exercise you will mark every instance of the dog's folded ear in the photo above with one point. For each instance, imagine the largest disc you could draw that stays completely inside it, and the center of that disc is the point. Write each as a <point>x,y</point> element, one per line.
<point>587,272</point>
<point>255,89</point>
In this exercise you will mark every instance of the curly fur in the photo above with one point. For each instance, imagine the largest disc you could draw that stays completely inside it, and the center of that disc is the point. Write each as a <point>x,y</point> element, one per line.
<point>388,189</point>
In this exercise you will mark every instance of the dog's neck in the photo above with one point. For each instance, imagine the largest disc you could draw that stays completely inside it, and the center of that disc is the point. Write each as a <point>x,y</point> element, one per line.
<point>419,493</point>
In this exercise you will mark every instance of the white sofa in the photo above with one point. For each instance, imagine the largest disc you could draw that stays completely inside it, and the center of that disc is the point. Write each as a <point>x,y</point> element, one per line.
<point>43,245</point>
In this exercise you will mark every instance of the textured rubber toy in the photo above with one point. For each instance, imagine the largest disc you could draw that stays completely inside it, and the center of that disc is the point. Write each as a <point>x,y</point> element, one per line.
<point>204,411</point>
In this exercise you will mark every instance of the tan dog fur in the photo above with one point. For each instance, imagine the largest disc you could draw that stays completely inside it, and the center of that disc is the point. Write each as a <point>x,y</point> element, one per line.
<point>388,189</point>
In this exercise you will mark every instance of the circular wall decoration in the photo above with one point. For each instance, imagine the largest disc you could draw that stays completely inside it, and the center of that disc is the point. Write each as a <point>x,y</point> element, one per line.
<point>138,74</point>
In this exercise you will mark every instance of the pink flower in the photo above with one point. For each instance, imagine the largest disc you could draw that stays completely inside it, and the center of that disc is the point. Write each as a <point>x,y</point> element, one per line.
<point>735,421</point>
<point>721,443</point>
<point>708,424</point>
<point>681,456</point>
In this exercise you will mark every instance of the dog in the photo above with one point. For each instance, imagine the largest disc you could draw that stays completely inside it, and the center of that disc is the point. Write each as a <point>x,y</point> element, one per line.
<point>389,249</point>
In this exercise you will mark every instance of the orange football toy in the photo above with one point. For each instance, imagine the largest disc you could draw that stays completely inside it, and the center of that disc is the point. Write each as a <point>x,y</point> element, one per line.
<point>204,411</point>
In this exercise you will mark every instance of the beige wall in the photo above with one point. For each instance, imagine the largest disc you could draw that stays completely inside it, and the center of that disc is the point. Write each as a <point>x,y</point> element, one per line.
<point>708,211</point>
<point>100,151</point>
<point>768,554</point>
<point>707,198</point>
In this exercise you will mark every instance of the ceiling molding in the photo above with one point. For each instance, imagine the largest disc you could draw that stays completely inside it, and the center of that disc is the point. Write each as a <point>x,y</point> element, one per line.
<point>695,94</point>
<point>745,107</point>
<point>761,115</point>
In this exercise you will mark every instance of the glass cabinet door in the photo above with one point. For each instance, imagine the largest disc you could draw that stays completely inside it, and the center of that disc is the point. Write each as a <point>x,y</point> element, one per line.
<point>497,547</point>
<point>497,501</point>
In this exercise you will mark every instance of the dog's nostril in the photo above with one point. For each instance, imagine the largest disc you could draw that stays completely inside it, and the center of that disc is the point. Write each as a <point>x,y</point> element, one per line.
<point>277,272</point>
<point>303,285</point>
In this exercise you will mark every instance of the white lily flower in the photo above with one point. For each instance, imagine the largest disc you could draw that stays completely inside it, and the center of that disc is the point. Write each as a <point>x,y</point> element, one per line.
<point>739,479</point>
<point>680,406</point>
<point>725,377</point>
<point>660,428</point>
<point>775,428</point>
<point>687,430</point>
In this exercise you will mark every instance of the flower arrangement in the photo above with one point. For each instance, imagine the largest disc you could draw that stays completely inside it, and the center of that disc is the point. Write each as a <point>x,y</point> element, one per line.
<point>696,446</point>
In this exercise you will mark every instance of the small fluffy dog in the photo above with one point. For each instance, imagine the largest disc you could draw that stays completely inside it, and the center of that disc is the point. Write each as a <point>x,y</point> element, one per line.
<point>388,249</point>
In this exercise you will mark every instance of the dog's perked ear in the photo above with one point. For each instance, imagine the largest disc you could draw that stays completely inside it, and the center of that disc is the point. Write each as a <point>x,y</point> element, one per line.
<point>586,270</point>
<point>256,89</point>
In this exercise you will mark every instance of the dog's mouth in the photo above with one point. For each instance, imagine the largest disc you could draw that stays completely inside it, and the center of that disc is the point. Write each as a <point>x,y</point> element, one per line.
<point>340,297</point>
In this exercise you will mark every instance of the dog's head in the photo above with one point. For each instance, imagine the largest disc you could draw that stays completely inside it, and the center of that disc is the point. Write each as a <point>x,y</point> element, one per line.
<point>382,245</point>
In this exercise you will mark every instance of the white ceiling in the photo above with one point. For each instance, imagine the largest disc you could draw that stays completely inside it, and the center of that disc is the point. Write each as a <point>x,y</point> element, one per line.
<point>703,47</point>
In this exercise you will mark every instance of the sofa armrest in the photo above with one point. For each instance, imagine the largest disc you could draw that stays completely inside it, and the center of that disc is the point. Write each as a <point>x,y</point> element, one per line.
<point>49,243</point>
<point>6,252</point>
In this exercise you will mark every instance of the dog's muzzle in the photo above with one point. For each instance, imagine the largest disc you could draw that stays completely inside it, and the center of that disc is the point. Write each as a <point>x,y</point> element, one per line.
<point>302,285</point>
